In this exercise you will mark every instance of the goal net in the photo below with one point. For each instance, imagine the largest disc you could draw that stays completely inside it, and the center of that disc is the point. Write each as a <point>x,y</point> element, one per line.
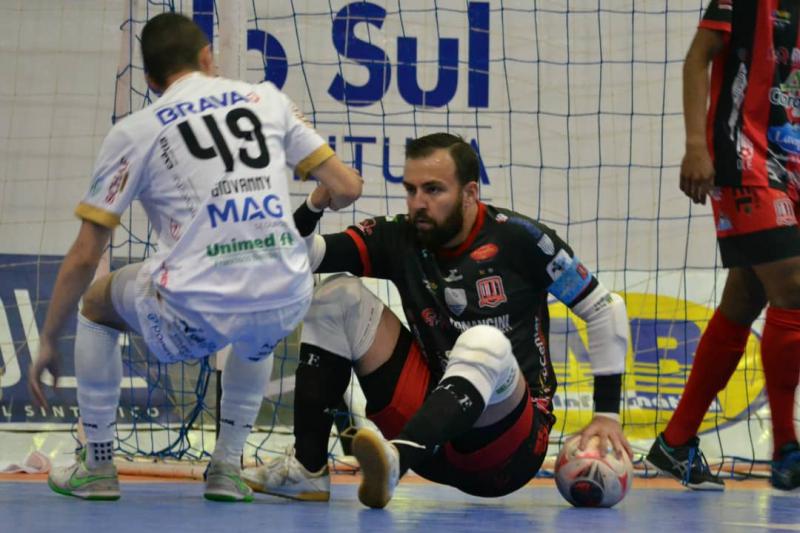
<point>575,110</point>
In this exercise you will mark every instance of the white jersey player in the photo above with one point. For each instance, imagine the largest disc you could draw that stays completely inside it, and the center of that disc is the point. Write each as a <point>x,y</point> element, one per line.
<point>210,163</point>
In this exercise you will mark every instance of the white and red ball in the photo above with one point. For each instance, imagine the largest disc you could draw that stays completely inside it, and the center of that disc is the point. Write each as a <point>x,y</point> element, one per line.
<point>587,479</point>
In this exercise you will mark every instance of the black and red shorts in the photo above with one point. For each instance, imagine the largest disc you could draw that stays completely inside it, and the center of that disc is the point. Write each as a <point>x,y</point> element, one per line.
<point>514,449</point>
<point>755,224</point>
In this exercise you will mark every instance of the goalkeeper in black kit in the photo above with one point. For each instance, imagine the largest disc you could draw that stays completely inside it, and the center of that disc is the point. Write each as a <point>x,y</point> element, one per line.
<point>463,394</point>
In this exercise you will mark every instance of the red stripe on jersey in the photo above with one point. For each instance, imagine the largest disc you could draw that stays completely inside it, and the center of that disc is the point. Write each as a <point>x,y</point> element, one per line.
<point>362,251</point>
<point>464,246</point>
<point>756,106</point>
<point>717,25</point>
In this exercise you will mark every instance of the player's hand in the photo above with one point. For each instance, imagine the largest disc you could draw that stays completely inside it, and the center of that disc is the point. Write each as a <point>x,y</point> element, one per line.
<point>49,359</point>
<point>697,174</point>
<point>608,430</point>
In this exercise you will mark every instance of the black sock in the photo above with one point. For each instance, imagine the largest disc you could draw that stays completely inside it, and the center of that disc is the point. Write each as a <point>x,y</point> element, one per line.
<point>322,378</point>
<point>451,409</point>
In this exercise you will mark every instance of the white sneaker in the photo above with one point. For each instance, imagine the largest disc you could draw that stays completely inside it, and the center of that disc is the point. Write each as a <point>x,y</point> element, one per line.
<point>286,477</point>
<point>224,483</point>
<point>380,467</point>
<point>80,481</point>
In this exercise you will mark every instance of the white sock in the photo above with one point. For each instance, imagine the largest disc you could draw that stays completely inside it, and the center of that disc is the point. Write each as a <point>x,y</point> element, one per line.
<point>98,369</point>
<point>243,386</point>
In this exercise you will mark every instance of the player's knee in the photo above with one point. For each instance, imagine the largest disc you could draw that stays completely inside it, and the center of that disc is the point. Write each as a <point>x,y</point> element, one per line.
<point>484,356</point>
<point>343,317</point>
<point>96,303</point>
<point>481,345</point>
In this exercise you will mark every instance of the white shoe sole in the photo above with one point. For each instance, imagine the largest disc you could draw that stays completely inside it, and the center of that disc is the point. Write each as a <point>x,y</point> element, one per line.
<point>370,451</point>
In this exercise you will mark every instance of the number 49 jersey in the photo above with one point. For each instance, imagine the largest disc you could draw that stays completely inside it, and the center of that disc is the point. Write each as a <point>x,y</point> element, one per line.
<point>209,162</point>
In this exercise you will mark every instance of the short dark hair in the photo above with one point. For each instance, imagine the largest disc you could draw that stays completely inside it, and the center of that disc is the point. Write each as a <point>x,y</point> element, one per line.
<point>171,42</point>
<point>465,158</point>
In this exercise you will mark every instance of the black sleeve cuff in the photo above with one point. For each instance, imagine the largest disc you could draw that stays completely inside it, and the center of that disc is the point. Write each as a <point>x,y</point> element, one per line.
<point>607,393</point>
<point>306,220</point>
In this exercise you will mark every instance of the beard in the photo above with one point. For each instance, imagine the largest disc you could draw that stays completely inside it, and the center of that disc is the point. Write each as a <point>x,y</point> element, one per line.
<point>439,234</point>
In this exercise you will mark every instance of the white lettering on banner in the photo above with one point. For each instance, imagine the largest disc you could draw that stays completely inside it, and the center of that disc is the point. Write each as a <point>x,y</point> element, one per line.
<point>11,374</point>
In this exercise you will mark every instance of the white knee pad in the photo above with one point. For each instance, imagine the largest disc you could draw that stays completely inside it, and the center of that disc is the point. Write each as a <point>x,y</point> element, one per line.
<point>343,318</point>
<point>483,356</point>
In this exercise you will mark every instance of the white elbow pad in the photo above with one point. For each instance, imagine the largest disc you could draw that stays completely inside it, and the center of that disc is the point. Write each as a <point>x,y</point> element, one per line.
<point>316,250</point>
<point>608,330</point>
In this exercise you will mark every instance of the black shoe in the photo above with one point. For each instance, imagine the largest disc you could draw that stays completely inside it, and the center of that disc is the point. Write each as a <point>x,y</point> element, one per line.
<point>786,469</point>
<point>685,463</point>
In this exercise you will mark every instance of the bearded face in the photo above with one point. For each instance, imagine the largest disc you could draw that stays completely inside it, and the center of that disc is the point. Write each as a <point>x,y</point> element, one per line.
<point>435,234</point>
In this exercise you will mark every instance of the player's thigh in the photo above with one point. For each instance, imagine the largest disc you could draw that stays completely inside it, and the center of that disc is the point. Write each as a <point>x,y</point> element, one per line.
<point>111,299</point>
<point>254,336</point>
<point>495,460</point>
<point>757,228</point>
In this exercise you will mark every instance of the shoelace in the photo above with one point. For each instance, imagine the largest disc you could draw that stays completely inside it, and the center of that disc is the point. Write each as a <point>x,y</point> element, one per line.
<point>697,458</point>
<point>282,465</point>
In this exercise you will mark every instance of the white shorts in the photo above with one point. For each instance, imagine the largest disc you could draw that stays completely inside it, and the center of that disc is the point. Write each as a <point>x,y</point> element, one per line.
<point>176,334</point>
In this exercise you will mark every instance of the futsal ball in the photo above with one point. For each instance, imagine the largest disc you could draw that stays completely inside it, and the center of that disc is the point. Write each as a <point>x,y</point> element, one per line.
<point>585,479</point>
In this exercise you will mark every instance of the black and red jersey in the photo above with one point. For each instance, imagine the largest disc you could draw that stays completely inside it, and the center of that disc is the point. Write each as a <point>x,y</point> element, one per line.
<point>754,115</point>
<point>499,276</point>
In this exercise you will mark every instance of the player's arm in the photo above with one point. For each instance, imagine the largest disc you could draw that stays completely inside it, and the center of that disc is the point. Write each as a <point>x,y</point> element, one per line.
<point>342,182</point>
<point>310,155</point>
<point>607,327</point>
<point>697,168</point>
<point>74,277</point>
<point>349,251</point>
<point>115,183</point>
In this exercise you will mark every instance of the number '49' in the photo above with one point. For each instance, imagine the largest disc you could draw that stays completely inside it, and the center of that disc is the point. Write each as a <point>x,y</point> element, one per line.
<point>220,148</point>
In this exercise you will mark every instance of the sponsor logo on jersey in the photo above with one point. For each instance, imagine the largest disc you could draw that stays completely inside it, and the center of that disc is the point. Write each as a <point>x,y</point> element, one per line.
<point>119,181</point>
<point>546,245</point>
<point>664,334</point>
<point>178,110</point>
<point>366,226</point>
<point>453,276</point>
<point>781,18</point>
<point>724,223</point>
<point>784,212</point>
<point>490,291</point>
<point>430,317</point>
<point>484,253</point>
<point>456,300</point>
<point>174,229</point>
<point>245,209</point>
<point>529,226</point>
<point>501,218</point>
<point>786,136</point>
<point>744,148</point>
<point>249,249</point>
<point>431,286</point>
<point>787,95</point>
<point>502,322</point>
